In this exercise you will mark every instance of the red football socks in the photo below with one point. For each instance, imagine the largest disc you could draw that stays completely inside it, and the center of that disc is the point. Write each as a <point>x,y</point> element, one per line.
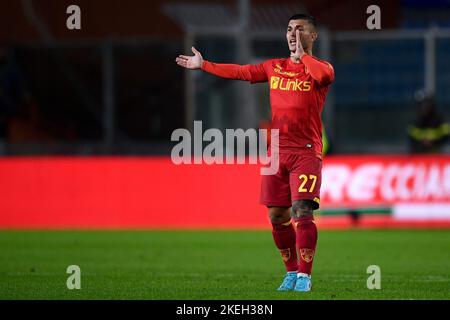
<point>306,231</point>
<point>284,237</point>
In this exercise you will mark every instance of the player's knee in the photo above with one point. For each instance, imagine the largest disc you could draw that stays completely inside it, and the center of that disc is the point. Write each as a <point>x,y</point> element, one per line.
<point>302,209</point>
<point>279,214</point>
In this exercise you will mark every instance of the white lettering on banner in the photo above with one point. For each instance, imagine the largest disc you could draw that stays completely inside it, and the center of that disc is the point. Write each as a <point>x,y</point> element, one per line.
<point>432,184</point>
<point>419,182</point>
<point>365,181</point>
<point>387,185</point>
<point>446,177</point>
<point>404,175</point>
<point>378,182</point>
<point>335,178</point>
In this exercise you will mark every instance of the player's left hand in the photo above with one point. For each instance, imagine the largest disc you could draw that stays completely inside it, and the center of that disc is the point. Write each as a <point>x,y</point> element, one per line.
<point>299,52</point>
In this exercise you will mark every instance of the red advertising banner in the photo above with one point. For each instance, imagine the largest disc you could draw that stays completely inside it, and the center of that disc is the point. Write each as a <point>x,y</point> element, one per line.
<point>385,180</point>
<point>148,192</point>
<point>392,191</point>
<point>126,192</point>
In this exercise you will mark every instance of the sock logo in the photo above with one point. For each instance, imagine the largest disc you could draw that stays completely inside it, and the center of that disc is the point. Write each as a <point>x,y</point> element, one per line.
<point>285,254</point>
<point>307,254</point>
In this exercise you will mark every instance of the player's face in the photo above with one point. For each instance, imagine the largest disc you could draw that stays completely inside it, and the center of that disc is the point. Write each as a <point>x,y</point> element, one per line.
<point>307,34</point>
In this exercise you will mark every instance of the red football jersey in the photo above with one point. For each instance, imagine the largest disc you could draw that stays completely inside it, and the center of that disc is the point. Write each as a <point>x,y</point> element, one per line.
<point>297,97</point>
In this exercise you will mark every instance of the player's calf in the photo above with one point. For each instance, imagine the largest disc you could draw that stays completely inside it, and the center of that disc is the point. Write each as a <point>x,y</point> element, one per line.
<point>284,237</point>
<point>306,237</point>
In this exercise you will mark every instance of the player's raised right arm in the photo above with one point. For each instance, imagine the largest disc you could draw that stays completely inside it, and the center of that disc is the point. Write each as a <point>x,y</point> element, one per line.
<point>253,73</point>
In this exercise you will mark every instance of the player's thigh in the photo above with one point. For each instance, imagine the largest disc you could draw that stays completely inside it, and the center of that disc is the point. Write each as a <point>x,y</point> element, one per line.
<point>275,189</point>
<point>306,179</point>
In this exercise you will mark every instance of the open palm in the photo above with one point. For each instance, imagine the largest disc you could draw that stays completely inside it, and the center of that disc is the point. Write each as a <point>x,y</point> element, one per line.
<point>299,51</point>
<point>190,62</point>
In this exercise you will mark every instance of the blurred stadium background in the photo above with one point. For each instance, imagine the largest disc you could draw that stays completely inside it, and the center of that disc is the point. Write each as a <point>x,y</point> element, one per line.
<point>86,118</point>
<point>108,97</point>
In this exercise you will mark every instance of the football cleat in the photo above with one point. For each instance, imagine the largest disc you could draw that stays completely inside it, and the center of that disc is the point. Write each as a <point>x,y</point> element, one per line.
<point>288,282</point>
<point>303,283</point>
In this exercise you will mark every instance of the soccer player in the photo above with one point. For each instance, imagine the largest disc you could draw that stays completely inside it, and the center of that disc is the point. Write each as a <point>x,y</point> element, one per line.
<point>298,87</point>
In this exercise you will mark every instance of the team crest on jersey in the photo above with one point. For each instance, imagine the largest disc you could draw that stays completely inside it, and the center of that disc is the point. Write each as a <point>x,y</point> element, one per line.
<point>285,254</point>
<point>307,254</point>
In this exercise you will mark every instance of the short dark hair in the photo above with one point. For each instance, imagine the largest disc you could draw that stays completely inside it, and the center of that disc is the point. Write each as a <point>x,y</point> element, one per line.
<point>301,16</point>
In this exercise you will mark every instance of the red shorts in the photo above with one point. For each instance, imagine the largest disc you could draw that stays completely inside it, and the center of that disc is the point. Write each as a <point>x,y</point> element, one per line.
<point>298,178</point>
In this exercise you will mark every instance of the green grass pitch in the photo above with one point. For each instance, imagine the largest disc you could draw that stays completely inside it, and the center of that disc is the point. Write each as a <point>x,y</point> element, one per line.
<point>235,265</point>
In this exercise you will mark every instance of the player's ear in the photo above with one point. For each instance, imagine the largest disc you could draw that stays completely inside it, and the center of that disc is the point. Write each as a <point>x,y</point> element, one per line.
<point>314,36</point>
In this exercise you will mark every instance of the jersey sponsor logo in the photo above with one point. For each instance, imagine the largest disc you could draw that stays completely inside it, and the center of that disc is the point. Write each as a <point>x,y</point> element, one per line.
<point>279,70</point>
<point>307,254</point>
<point>274,82</point>
<point>278,83</point>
